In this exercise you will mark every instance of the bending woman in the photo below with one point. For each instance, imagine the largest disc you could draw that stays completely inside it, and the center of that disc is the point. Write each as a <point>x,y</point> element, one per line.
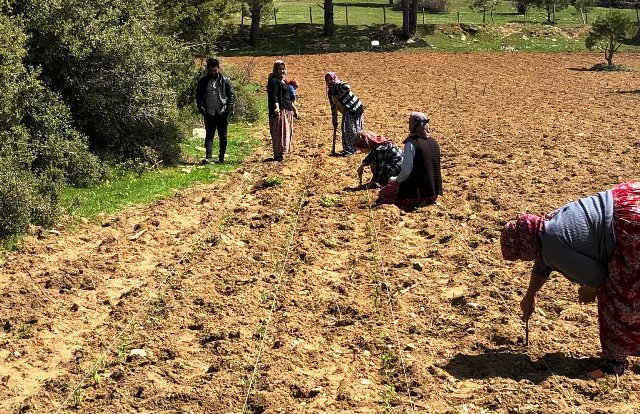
<point>342,100</point>
<point>594,242</point>
<point>420,179</point>
<point>384,157</point>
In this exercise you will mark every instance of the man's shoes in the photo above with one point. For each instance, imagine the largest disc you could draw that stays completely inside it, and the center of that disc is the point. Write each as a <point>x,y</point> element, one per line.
<point>346,153</point>
<point>207,161</point>
<point>278,158</point>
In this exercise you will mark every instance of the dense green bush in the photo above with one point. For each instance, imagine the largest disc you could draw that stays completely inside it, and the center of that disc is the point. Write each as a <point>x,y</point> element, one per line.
<point>16,198</point>
<point>54,143</point>
<point>45,206</point>
<point>110,76</point>
<point>197,23</point>
<point>119,75</point>
<point>435,6</point>
<point>248,94</point>
<point>40,150</point>
<point>247,103</point>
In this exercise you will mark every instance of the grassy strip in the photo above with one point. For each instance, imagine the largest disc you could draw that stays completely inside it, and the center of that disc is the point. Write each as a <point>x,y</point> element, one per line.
<point>371,12</point>
<point>129,188</point>
<point>299,29</point>
<point>304,38</point>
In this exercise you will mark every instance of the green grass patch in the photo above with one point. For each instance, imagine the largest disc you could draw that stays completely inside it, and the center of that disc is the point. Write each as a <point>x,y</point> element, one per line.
<point>299,29</point>
<point>129,188</point>
<point>358,12</point>
<point>305,38</point>
<point>329,200</point>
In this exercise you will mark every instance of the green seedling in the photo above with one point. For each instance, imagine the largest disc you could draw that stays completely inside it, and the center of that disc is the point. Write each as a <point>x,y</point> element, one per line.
<point>272,181</point>
<point>78,396</point>
<point>122,348</point>
<point>24,331</point>
<point>388,393</point>
<point>97,370</point>
<point>262,329</point>
<point>328,200</point>
<point>377,297</point>
<point>386,360</point>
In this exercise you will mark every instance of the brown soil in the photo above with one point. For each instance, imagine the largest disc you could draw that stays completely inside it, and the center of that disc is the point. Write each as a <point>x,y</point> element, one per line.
<point>270,296</point>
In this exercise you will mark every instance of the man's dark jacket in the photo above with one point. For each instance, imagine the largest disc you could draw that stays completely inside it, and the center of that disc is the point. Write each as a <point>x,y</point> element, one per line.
<point>227,94</point>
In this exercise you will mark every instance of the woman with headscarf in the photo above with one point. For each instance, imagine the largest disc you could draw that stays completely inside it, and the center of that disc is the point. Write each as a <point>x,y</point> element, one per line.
<point>281,111</point>
<point>343,100</point>
<point>594,242</point>
<point>420,181</point>
<point>384,157</point>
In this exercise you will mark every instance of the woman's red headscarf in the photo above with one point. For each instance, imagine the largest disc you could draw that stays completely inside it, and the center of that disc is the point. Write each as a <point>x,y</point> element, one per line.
<point>519,238</point>
<point>369,139</point>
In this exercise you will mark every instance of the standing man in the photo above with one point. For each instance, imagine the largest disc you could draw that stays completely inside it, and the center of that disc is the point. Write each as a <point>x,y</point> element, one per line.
<point>215,99</point>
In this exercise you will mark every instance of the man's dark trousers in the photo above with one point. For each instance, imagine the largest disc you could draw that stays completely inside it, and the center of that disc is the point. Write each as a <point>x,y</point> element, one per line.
<point>211,123</point>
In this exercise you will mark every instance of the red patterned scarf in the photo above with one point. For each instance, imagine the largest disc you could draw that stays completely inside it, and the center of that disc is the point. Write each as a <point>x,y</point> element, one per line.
<point>519,238</point>
<point>369,139</point>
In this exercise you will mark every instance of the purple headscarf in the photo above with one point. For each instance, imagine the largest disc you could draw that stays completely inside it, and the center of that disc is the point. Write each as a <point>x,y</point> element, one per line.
<point>332,78</point>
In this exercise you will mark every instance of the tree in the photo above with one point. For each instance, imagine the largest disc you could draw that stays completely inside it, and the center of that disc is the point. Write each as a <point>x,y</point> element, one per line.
<point>329,27</point>
<point>521,6</point>
<point>551,7</point>
<point>255,8</point>
<point>485,6</point>
<point>198,23</point>
<point>40,148</point>
<point>584,7</point>
<point>607,33</point>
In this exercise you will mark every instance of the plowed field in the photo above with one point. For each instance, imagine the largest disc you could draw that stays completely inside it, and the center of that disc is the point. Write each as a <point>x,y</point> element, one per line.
<point>300,298</point>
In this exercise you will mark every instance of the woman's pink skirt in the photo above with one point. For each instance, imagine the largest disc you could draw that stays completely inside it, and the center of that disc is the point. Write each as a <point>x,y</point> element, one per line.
<point>281,129</point>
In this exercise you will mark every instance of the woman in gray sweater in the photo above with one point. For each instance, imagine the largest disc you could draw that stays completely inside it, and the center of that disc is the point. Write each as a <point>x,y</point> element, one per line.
<point>594,242</point>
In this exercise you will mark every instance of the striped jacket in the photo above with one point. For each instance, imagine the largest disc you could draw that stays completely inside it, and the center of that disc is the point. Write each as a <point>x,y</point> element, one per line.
<point>341,93</point>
